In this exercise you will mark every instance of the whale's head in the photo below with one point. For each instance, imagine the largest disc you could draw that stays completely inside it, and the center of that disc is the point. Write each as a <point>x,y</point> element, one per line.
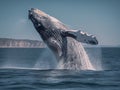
<point>48,27</point>
<point>39,20</point>
<point>44,23</point>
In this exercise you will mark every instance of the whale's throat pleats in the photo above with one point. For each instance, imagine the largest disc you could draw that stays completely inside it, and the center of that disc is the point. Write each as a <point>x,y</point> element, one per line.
<point>55,42</point>
<point>55,46</point>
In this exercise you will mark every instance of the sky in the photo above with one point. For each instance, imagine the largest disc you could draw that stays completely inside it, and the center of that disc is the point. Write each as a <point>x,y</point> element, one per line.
<point>98,17</point>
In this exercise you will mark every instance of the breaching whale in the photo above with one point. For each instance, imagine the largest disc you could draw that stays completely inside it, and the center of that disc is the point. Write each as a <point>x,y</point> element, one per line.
<point>64,42</point>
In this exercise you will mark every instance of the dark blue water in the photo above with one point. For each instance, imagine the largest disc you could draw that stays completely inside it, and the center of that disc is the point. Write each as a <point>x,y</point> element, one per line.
<point>33,69</point>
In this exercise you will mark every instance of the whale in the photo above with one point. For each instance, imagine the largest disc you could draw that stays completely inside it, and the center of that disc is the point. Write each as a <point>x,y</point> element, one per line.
<point>64,42</point>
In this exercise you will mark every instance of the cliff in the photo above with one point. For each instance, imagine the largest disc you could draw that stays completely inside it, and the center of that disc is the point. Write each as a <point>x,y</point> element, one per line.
<point>20,43</point>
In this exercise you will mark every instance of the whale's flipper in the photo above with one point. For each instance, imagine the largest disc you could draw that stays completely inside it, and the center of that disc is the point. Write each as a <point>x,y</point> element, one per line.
<point>81,36</point>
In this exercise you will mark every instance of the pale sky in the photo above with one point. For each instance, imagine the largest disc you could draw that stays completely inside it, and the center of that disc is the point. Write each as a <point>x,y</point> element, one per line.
<point>97,17</point>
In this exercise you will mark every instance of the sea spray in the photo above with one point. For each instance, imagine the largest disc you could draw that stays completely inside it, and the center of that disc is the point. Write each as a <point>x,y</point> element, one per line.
<point>46,60</point>
<point>95,55</point>
<point>76,57</point>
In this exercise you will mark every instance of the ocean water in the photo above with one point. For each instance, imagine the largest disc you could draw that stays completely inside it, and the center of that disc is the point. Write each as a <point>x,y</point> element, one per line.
<point>34,69</point>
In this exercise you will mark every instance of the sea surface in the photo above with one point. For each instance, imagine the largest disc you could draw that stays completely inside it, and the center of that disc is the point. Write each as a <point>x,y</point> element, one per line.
<point>35,69</point>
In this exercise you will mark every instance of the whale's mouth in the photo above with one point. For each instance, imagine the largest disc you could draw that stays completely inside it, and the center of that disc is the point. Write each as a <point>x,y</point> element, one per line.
<point>36,20</point>
<point>31,16</point>
<point>31,12</point>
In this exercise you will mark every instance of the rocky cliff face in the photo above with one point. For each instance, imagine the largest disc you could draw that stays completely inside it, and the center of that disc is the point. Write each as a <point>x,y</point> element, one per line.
<point>18,43</point>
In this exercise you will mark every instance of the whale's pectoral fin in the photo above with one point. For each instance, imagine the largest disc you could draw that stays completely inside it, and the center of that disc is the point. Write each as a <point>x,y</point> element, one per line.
<point>81,36</point>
